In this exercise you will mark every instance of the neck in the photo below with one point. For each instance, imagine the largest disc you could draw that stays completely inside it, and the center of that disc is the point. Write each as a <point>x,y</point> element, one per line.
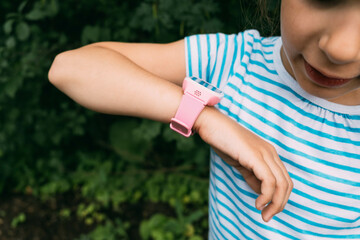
<point>350,99</point>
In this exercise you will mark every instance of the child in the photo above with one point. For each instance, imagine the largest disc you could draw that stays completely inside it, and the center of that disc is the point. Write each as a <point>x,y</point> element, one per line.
<point>289,121</point>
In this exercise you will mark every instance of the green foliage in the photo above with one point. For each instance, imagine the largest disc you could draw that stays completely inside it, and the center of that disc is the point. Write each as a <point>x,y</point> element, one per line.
<point>50,145</point>
<point>65,213</point>
<point>160,227</point>
<point>21,218</point>
<point>108,231</point>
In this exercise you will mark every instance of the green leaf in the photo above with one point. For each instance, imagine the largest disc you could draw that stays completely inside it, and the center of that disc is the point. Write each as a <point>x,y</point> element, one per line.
<point>181,141</point>
<point>90,34</point>
<point>43,10</point>
<point>125,143</point>
<point>195,216</point>
<point>12,15</point>
<point>22,31</point>
<point>148,130</point>
<point>35,14</point>
<point>18,219</point>
<point>22,6</point>
<point>148,227</point>
<point>54,187</point>
<point>8,26</point>
<point>13,86</point>
<point>10,42</point>
<point>53,8</point>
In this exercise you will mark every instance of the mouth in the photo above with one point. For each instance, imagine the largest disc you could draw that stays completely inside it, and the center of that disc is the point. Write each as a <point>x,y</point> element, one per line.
<point>322,80</point>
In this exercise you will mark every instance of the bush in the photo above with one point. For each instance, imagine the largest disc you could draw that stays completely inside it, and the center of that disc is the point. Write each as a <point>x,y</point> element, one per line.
<point>49,145</point>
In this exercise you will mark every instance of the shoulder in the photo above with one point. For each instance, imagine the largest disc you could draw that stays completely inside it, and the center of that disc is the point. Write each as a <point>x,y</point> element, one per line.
<point>225,45</point>
<point>217,56</point>
<point>253,40</point>
<point>258,53</point>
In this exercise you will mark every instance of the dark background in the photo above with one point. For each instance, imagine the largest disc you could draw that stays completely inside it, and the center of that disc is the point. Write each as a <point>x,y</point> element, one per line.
<point>70,173</point>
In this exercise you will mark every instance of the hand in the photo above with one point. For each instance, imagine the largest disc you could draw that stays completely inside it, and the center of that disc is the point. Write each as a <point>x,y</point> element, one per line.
<point>252,156</point>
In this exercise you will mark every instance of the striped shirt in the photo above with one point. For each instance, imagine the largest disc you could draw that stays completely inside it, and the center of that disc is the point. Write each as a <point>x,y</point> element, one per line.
<point>317,140</point>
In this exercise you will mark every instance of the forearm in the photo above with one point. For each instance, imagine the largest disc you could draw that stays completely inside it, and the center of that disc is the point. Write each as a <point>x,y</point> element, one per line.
<point>106,81</point>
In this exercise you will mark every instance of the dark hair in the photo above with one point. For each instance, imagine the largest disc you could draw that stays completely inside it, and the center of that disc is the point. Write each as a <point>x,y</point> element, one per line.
<point>270,13</point>
<point>265,17</point>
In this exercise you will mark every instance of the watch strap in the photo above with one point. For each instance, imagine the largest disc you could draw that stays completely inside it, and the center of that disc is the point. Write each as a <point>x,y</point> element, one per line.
<point>186,115</point>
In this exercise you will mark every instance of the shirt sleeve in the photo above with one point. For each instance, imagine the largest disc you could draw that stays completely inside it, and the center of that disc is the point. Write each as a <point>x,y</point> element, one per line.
<point>213,57</point>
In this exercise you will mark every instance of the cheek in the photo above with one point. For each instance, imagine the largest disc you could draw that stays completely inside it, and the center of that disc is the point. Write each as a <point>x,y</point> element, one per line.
<point>297,27</point>
<point>290,43</point>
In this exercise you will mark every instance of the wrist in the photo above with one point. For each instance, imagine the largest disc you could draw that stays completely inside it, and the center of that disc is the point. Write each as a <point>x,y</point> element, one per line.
<point>197,94</point>
<point>206,115</point>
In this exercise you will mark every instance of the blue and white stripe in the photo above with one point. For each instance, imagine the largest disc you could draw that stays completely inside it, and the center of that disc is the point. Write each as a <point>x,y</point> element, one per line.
<point>318,141</point>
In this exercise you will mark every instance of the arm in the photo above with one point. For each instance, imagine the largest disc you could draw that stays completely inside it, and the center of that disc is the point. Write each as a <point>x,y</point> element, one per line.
<point>256,159</point>
<point>101,78</point>
<point>144,80</point>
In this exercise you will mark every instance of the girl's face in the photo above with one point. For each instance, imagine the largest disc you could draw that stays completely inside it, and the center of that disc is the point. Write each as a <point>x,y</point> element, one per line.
<point>321,47</point>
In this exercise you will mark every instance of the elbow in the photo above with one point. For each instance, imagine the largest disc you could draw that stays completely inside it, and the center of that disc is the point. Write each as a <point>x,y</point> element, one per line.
<point>58,69</point>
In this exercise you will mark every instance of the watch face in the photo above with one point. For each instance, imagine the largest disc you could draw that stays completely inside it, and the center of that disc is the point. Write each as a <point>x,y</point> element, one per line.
<point>206,84</point>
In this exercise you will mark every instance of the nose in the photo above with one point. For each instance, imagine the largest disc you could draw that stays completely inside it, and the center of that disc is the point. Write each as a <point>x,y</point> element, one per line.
<point>341,40</point>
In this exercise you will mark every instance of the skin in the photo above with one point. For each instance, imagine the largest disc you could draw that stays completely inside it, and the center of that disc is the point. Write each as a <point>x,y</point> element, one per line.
<point>326,34</point>
<point>129,79</point>
<point>107,77</point>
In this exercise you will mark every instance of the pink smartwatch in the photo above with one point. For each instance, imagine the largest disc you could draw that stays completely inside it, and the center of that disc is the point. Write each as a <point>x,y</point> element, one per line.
<point>197,94</point>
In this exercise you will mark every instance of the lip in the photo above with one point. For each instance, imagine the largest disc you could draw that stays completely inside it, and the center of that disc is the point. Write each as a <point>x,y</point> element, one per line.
<point>322,80</point>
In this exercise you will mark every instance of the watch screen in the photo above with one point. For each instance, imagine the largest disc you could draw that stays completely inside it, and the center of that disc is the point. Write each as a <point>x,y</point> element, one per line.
<point>206,84</point>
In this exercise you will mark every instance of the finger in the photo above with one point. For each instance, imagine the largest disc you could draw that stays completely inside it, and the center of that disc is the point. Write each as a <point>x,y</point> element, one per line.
<point>287,177</point>
<point>265,175</point>
<point>250,179</point>
<point>277,202</point>
<point>281,193</point>
<point>248,175</point>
